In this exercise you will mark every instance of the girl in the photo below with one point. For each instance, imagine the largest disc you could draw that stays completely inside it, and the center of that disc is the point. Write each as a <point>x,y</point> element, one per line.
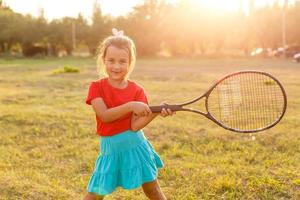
<point>127,158</point>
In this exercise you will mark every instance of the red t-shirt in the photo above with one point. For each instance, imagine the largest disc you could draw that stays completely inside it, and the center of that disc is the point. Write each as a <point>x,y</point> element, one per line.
<point>113,97</point>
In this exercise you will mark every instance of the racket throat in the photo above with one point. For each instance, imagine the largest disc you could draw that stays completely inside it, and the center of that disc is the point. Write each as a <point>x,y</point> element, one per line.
<point>197,111</point>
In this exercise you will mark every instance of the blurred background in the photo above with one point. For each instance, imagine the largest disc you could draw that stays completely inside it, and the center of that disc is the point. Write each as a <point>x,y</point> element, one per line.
<point>165,28</point>
<point>48,144</point>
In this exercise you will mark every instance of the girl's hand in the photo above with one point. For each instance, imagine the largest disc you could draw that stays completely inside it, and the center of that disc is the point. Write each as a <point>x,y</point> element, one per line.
<point>140,109</point>
<point>166,112</point>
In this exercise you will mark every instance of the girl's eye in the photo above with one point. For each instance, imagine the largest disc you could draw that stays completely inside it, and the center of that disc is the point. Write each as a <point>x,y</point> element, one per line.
<point>123,61</point>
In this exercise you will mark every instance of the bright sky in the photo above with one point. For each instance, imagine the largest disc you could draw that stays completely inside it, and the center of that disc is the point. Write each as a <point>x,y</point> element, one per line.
<point>59,8</point>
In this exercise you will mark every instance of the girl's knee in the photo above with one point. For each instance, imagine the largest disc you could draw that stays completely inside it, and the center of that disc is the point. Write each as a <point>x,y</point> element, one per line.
<point>153,191</point>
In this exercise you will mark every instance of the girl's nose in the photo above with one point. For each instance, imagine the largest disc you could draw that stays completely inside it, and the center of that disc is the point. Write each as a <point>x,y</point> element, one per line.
<point>116,66</point>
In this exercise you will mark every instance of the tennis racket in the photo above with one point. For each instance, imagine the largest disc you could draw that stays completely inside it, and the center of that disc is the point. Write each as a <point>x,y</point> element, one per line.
<point>244,101</point>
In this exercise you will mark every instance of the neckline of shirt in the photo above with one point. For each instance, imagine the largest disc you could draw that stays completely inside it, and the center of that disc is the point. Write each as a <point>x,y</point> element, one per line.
<point>127,86</point>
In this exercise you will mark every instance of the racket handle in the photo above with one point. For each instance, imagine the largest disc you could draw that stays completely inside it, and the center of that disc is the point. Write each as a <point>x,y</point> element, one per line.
<point>157,109</point>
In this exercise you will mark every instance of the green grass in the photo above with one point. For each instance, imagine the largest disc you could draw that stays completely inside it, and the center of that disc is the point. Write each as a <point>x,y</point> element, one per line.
<point>48,144</point>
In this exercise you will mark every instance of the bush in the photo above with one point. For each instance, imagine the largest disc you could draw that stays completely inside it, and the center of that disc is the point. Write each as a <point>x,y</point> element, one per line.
<point>66,69</point>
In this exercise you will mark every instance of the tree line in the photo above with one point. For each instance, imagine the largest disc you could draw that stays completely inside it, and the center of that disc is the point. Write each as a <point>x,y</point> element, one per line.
<point>181,29</point>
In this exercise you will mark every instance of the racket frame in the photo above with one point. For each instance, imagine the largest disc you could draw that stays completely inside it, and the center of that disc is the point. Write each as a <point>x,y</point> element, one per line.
<point>207,114</point>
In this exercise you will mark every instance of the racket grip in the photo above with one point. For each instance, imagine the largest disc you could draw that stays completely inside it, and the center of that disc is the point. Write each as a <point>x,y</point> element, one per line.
<point>157,109</point>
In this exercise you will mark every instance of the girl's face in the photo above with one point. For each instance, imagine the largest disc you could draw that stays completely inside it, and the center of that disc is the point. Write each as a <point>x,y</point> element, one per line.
<point>116,62</point>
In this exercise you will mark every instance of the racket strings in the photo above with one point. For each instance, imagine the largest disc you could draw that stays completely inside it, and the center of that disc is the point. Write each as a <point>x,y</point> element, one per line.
<point>246,101</point>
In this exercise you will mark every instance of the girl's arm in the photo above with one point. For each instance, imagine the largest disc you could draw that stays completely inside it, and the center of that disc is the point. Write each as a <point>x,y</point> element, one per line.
<point>111,114</point>
<point>139,122</point>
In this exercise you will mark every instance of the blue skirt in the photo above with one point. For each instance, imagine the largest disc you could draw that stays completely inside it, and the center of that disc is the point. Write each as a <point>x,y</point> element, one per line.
<point>127,160</point>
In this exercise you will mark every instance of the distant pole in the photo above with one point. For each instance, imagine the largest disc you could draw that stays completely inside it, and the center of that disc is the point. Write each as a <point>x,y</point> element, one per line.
<point>284,26</point>
<point>74,35</point>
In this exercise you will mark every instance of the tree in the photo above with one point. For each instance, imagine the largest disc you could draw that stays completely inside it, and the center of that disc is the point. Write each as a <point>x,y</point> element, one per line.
<point>81,29</point>
<point>60,35</point>
<point>293,29</point>
<point>146,26</point>
<point>11,28</point>
<point>98,29</point>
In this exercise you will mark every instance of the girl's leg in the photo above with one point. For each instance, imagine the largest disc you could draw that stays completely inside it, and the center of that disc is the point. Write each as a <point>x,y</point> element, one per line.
<point>91,196</point>
<point>152,191</point>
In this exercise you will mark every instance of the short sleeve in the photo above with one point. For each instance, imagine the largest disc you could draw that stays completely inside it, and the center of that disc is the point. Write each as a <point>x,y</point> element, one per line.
<point>141,96</point>
<point>94,92</point>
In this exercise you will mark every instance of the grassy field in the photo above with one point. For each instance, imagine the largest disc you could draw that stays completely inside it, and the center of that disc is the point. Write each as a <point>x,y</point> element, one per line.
<point>48,144</point>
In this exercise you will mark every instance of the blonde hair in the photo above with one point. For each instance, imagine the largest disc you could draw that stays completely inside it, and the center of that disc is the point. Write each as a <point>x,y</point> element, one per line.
<point>120,41</point>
